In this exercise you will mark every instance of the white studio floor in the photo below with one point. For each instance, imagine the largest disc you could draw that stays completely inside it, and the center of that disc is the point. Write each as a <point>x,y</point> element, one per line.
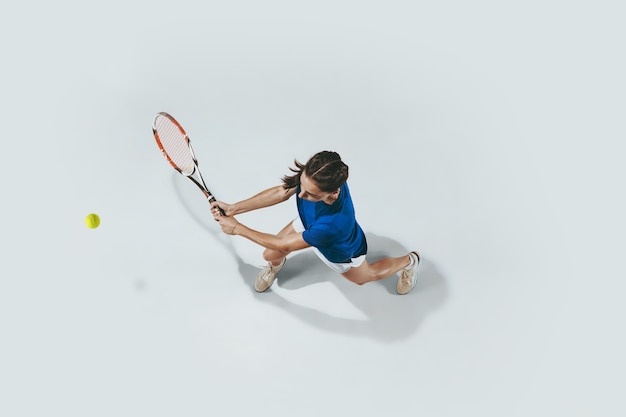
<point>489,137</point>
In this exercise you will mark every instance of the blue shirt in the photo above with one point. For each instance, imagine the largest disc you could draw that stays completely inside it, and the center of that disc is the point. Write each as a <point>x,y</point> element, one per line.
<point>333,228</point>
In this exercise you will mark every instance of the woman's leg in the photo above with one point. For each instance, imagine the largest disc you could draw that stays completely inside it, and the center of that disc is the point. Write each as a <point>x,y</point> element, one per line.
<point>275,259</point>
<point>378,270</point>
<point>276,256</point>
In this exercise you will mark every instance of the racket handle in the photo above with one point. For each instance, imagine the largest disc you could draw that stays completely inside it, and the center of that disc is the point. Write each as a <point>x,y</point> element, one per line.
<point>212,200</point>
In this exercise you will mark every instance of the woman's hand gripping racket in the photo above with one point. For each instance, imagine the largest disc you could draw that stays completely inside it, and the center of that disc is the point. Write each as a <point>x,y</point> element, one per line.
<point>176,147</point>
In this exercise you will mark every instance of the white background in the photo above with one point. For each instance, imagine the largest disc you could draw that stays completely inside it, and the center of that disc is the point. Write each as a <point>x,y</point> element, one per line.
<point>487,135</point>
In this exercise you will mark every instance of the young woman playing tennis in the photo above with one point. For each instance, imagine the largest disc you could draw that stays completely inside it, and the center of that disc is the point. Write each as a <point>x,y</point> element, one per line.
<point>326,222</point>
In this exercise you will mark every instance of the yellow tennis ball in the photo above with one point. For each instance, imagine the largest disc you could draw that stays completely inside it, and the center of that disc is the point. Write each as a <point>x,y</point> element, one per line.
<point>92,220</point>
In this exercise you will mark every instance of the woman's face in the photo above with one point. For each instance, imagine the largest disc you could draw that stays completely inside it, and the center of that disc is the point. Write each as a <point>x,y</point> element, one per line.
<point>311,192</point>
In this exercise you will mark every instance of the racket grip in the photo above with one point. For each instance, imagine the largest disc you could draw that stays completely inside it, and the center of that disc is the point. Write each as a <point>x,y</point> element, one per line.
<point>212,200</point>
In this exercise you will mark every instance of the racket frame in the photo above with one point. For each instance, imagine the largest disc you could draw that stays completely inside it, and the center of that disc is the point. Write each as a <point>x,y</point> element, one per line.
<point>199,180</point>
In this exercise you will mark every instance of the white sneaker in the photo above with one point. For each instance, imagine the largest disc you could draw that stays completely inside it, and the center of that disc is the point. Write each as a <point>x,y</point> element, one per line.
<point>408,276</point>
<point>266,277</point>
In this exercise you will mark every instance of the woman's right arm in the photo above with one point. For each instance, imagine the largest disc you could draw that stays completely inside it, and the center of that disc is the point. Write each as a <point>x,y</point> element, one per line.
<point>266,198</point>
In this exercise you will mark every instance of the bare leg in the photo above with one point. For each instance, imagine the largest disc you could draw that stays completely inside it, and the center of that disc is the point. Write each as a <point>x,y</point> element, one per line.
<point>276,256</point>
<point>376,271</point>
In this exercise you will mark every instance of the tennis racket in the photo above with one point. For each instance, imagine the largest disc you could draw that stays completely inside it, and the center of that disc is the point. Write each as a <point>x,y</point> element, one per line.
<point>176,147</point>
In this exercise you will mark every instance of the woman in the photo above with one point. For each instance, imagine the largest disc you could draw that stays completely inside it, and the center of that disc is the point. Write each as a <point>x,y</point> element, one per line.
<point>326,222</point>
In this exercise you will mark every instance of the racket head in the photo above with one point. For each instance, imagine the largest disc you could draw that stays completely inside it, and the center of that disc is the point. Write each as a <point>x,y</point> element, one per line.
<point>174,143</point>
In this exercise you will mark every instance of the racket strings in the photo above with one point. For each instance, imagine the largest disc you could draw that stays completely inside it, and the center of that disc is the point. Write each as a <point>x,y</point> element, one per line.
<point>175,145</point>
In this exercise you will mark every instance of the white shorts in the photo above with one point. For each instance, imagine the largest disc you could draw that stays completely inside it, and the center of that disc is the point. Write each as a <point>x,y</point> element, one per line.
<point>342,267</point>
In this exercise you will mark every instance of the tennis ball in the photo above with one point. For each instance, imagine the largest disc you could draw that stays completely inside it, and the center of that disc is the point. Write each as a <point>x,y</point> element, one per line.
<point>92,220</point>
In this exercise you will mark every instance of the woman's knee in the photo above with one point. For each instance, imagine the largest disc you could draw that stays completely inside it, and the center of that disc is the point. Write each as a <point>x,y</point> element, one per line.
<point>356,277</point>
<point>273,254</point>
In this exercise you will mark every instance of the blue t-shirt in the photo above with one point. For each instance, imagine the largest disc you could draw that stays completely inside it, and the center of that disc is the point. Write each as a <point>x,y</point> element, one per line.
<point>332,229</point>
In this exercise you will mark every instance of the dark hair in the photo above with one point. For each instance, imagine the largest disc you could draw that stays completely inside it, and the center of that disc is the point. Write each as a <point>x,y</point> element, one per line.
<point>325,168</point>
